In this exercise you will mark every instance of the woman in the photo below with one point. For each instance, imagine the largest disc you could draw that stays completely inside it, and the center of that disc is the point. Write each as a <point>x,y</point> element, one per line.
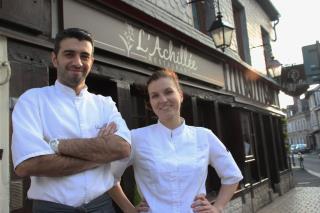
<point>170,158</point>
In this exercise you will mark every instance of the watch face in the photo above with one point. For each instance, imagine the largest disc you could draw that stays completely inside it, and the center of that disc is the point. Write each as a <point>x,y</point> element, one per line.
<point>53,141</point>
<point>54,145</point>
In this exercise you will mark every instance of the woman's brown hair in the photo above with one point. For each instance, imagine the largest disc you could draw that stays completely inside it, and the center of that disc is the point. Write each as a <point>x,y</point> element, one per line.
<point>165,73</point>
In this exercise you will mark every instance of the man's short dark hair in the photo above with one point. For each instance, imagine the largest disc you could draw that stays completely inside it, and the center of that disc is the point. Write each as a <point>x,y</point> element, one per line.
<point>77,33</point>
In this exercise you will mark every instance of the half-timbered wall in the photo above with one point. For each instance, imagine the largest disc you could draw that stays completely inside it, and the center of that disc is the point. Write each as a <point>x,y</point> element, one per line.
<point>251,85</point>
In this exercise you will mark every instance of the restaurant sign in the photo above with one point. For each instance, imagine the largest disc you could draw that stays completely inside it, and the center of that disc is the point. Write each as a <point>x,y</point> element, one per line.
<point>128,39</point>
<point>293,80</point>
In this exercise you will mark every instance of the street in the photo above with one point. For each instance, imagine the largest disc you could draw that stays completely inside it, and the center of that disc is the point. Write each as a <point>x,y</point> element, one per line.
<point>305,197</point>
<point>311,163</point>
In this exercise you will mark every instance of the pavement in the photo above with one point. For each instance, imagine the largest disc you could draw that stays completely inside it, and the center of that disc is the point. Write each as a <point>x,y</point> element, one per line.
<point>303,198</point>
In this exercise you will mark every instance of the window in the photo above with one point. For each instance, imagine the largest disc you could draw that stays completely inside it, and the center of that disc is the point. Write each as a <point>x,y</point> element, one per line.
<point>247,134</point>
<point>241,31</point>
<point>268,55</point>
<point>196,12</point>
<point>199,15</point>
<point>318,98</point>
<point>203,14</point>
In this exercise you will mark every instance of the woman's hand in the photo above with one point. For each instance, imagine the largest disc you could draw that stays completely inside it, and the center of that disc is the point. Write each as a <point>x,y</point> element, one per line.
<point>142,206</point>
<point>202,205</point>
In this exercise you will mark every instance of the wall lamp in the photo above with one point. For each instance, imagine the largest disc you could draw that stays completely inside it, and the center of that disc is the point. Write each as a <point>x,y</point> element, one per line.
<point>220,30</point>
<point>274,68</point>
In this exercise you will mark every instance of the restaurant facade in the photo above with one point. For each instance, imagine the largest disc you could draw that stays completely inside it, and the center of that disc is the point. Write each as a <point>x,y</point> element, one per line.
<point>229,92</point>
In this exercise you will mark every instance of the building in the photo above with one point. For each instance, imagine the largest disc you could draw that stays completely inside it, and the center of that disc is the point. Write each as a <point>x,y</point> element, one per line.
<point>298,122</point>
<point>311,60</point>
<point>303,120</point>
<point>313,97</point>
<point>230,91</point>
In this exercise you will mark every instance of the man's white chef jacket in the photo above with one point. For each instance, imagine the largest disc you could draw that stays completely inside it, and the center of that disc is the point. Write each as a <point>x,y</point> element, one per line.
<point>171,166</point>
<point>43,114</point>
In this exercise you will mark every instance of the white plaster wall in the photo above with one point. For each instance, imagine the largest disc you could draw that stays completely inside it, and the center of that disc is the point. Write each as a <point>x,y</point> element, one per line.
<point>4,130</point>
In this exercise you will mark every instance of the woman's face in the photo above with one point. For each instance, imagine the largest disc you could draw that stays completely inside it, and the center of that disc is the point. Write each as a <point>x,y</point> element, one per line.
<point>165,99</point>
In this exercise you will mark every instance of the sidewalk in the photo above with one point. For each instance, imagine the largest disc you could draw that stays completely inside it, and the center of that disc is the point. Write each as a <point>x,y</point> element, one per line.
<point>305,197</point>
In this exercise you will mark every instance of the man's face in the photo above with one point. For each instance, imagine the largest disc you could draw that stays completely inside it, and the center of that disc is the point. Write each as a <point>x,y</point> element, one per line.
<point>73,62</point>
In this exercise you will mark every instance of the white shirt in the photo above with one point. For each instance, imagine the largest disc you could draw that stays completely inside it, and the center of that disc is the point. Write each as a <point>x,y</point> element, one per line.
<point>43,114</point>
<point>171,166</point>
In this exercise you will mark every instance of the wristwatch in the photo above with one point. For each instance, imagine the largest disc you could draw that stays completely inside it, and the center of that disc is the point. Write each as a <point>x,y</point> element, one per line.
<point>54,143</point>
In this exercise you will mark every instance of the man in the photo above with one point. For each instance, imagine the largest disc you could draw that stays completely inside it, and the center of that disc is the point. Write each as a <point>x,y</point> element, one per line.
<point>57,138</point>
<point>300,157</point>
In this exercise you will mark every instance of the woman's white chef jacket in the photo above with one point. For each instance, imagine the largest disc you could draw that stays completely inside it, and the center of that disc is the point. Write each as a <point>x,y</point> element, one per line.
<point>171,166</point>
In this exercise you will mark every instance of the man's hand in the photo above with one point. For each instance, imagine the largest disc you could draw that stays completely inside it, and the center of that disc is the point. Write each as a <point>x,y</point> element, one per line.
<point>110,129</point>
<point>202,205</point>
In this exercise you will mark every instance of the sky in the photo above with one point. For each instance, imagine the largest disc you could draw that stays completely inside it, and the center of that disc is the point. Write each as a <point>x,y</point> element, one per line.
<point>298,27</point>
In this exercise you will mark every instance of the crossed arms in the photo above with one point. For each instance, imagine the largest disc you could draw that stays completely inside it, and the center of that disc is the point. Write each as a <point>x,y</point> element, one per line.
<point>76,155</point>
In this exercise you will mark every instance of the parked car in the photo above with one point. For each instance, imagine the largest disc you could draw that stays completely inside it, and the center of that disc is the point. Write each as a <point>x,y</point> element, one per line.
<point>303,148</point>
<point>292,148</point>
